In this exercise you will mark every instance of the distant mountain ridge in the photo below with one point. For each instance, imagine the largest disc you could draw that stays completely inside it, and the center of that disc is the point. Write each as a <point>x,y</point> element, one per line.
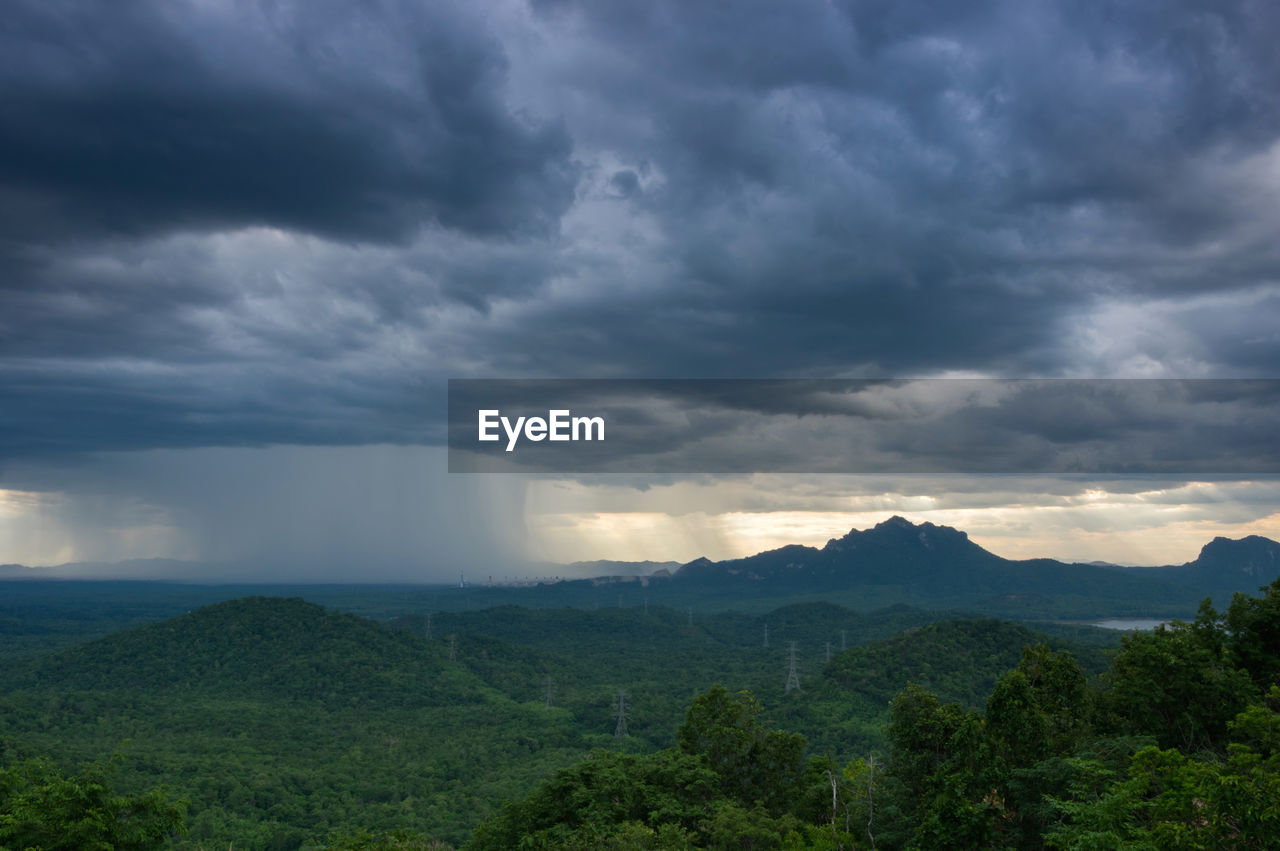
<point>932,561</point>
<point>1226,564</point>
<point>895,562</point>
<point>877,555</point>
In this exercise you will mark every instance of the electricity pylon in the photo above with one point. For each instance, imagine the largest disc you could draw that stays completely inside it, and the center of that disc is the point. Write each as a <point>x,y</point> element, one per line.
<point>793,678</point>
<point>620,731</point>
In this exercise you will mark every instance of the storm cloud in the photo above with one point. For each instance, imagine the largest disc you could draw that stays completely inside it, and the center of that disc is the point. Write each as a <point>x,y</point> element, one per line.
<point>361,122</point>
<point>257,224</point>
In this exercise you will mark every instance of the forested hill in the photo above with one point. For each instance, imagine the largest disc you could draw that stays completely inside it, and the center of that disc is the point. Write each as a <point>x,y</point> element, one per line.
<point>282,721</point>
<point>959,660</point>
<point>272,648</point>
<point>1176,745</point>
<point>660,628</point>
<point>846,699</point>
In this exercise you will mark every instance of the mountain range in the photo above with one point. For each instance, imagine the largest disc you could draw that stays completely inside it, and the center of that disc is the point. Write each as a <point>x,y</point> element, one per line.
<point>931,565</point>
<point>894,562</point>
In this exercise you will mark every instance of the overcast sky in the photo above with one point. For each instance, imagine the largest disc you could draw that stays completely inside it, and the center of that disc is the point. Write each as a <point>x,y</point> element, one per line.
<point>244,244</point>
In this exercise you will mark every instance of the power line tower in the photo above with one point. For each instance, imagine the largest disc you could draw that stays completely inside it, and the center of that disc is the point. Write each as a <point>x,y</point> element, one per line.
<point>428,624</point>
<point>453,648</point>
<point>691,616</point>
<point>620,731</point>
<point>828,659</point>
<point>766,635</point>
<point>793,678</point>
<point>551,692</point>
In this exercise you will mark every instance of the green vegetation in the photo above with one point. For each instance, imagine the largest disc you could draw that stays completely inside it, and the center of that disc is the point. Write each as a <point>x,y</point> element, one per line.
<point>42,808</point>
<point>731,781</point>
<point>1051,761</point>
<point>282,724</point>
<point>959,660</point>
<point>1176,748</point>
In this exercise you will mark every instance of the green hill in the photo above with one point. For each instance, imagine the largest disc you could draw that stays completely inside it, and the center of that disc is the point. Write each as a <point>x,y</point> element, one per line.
<point>258,646</point>
<point>282,721</point>
<point>957,660</point>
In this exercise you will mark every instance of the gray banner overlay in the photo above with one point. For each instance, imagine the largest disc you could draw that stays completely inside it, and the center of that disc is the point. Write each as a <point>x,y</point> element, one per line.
<point>975,426</point>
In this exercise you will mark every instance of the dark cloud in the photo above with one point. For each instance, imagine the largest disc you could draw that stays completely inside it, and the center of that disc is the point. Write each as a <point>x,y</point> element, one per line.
<point>907,187</point>
<point>625,182</point>
<point>356,122</point>
<point>275,223</point>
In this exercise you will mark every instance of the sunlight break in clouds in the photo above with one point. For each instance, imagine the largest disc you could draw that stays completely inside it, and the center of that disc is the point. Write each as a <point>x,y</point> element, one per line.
<point>1156,525</point>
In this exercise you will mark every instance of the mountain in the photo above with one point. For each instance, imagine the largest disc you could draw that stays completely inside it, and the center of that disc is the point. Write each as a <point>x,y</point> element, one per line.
<point>174,570</point>
<point>1225,566</point>
<point>896,562</point>
<point>931,565</point>
<point>893,553</point>
<point>607,567</point>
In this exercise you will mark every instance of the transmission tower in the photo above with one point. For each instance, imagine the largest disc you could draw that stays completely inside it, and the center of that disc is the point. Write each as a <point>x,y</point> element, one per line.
<point>620,731</point>
<point>828,659</point>
<point>691,616</point>
<point>428,624</point>
<point>793,678</point>
<point>766,635</point>
<point>551,692</point>
<point>453,648</point>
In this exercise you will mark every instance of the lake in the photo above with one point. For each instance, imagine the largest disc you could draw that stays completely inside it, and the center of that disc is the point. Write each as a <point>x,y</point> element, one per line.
<point>1129,624</point>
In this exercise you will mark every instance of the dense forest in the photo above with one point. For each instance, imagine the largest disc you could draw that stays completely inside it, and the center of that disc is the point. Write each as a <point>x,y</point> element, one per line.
<point>265,722</point>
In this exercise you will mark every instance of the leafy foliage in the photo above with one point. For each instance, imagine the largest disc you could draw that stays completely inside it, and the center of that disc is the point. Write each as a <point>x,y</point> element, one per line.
<point>1177,750</point>
<point>287,725</point>
<point>42,808</point>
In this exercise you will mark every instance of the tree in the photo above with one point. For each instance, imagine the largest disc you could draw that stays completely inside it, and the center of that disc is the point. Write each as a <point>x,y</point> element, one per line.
<point>42,808</point>
<point>940,756</point>
<point>754,763</point>
<point>1179,683</point>
<point>1173,800</point>
<point>1253,625</point>
<point>606,795</point>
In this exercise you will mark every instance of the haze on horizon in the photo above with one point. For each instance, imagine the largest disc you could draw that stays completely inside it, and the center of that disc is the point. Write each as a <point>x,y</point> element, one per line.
<point>246,243</point>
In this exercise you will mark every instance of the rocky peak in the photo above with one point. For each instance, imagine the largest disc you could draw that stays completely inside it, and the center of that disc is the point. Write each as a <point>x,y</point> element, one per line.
<point>1252,556</point>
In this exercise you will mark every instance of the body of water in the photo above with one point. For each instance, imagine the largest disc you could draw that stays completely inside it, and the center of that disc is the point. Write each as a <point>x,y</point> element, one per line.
<point>1129,624</point>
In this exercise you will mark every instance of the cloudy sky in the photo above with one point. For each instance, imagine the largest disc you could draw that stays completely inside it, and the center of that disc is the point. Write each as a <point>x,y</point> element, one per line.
<point>244,244</point>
